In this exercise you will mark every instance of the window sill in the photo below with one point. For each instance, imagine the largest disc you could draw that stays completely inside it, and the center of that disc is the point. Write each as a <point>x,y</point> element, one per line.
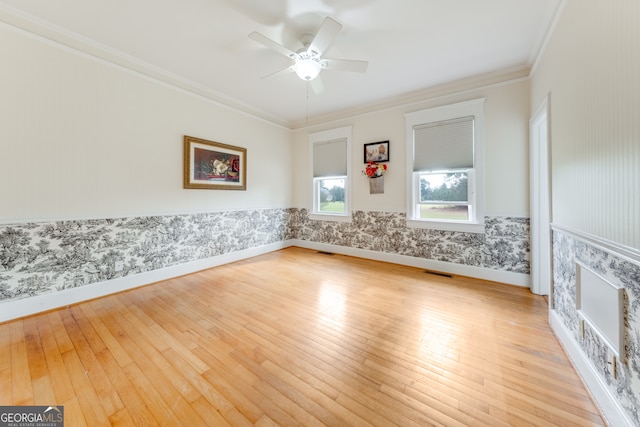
<point>464,227</point>
<point>330,217</point>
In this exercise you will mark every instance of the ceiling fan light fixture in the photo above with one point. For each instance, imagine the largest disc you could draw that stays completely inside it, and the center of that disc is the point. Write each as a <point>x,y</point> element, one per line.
<point>307,68</point>
<point>307,61</point>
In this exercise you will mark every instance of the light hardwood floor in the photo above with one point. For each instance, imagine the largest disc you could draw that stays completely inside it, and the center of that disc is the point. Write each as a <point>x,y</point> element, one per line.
<point>299,338</point>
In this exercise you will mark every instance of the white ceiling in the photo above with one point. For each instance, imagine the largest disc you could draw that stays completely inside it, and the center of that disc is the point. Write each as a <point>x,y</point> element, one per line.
<point>411,45</point>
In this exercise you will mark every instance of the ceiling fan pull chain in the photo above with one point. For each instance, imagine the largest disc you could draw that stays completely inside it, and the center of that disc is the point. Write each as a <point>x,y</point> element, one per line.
<point>307,87</point>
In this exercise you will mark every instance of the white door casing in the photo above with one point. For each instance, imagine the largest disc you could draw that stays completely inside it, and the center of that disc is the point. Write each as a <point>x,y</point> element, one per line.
<point>540,193</point>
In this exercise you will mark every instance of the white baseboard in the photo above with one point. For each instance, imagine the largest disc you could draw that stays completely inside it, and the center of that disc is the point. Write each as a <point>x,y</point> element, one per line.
<point>517,279</point>
<point>37,304</point>
<point>608,404</point>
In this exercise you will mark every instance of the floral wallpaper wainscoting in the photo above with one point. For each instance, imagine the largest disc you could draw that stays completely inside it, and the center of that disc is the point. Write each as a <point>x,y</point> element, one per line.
<point>48,257</point>
<point>504,245</point>
<point>567,251</point>
<point>38,258</point>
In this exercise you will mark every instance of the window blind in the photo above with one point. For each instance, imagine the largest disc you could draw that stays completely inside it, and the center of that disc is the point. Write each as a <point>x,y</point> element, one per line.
<point>330,158</point>
<point>444,145</point>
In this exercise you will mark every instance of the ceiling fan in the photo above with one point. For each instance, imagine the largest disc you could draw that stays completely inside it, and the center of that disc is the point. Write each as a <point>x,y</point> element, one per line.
<point>308,61</point>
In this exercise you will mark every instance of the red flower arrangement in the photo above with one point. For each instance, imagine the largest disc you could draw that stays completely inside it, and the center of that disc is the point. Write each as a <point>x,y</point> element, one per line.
<point>374,170</point>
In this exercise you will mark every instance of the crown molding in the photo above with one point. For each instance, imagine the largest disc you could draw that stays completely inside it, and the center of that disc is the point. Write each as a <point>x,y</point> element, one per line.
<point>55,35</point>
<point>58,36</point>
<point>548,33</point>
<point>432,93</point>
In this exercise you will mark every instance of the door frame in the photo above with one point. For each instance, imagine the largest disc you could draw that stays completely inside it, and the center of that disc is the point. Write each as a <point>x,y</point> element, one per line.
<point>540,199</point>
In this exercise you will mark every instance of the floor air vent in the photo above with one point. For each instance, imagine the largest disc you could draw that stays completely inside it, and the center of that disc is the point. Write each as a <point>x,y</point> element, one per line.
<point>438,273</point>
<point>325,253</point>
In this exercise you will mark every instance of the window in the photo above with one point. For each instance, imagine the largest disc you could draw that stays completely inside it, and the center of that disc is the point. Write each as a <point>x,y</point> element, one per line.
<point>444,195</point>
<point>330,166</point>
<point>330,195</point>
<point>444,151</point>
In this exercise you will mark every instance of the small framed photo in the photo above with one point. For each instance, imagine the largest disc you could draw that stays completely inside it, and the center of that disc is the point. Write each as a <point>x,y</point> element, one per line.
<point>212,165</point>
<point>376,152</point>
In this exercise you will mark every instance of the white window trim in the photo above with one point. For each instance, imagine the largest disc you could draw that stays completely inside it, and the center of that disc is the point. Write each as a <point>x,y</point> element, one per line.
<point>320,137</point>
<point>468,108</point>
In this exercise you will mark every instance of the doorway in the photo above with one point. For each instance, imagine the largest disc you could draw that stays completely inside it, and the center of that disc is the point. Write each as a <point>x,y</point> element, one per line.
<point>540,193</point>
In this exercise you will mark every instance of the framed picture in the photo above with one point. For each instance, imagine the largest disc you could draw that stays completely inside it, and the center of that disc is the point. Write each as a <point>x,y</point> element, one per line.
<point>212,165</point>
<point>376,152</point>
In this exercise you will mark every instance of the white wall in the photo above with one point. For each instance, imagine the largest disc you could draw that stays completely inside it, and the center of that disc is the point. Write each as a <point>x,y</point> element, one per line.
<point>82,138</point>
<point>591,68</point>
<point>506,152</point>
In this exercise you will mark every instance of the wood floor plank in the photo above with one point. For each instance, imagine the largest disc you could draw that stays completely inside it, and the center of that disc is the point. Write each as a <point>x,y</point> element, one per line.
<point>239,394</point>
<point>75,322</point>
<point>206,390</point>
<point>94,413</point>
<point>5,345</point>
<point>22,391</point>
<point>60,381</point>
<point>266,422</point>
<point>43,393</point>
<point>135,404</point>
<point>213,418</point>
<point>157,359</point>
<point>73,412</point>
<point>150,375</point>
<point>110,341</point>
<point>278,392</point>
<point>59,331</point>
<point>152,397</point>
<point>36,359</point>
<point>318,383</point>
<point>295,337</point>
<point>122,418</point>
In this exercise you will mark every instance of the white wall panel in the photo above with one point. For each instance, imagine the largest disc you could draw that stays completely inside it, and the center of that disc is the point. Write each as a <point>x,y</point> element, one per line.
<point>82,138</point>
<point>591,67</point>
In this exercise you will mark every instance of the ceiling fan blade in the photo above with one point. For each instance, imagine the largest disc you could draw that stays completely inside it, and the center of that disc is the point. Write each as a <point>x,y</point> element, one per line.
<point>255,36</point>
<point>317,86</point>
<point>346,65</point>
<point>325,35</point>
<point>279,73</point>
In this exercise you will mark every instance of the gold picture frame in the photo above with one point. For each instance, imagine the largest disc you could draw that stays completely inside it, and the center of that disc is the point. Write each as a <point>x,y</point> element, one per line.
<point>210,165</point>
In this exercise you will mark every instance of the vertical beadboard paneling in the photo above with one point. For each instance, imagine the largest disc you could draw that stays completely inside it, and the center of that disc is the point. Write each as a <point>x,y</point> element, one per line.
<point>632,152</point>
<point>591,68</point>
<point>610,169</point>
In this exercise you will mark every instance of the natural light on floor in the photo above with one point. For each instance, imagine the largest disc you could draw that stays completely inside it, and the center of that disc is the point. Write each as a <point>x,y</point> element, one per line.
<point>331,305</point>
<point>437,342</point>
